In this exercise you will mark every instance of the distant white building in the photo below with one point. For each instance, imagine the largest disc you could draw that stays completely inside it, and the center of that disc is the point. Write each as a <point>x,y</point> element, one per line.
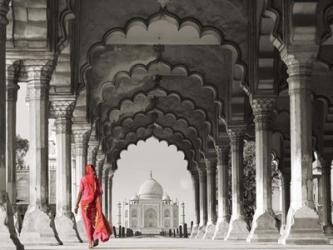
<point>151,210</point>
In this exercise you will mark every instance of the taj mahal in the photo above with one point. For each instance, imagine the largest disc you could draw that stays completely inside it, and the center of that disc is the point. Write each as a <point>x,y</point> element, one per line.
<point>151,210</point>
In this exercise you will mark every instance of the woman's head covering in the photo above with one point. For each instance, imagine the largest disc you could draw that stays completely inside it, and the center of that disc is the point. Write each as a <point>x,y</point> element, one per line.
<point>91,178</point>
<point>90,170</point>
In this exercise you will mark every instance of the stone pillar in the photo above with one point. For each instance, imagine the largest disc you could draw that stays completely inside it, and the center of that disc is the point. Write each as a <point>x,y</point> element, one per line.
<point>105,179</point>
<point>100,158</point>
<point>302,220</point>
<point>325,195</point>
<point>109,199</point>
<point>222,175</point>
<point>237,228</point>
<point>8,236</point>
<point>11,99</point>
<point>36,224</point>
<point>62,107</point>
<point>203,200</point>
<point>285,193</point>
<point>264,227</point>
<point>211,197</point>
<point>80,131</point>
<point>73,174</point>
<point>195,181</point>
<point>92,152</point>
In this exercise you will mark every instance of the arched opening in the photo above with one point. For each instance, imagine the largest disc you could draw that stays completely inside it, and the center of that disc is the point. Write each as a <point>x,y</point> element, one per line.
<point>163,164</point>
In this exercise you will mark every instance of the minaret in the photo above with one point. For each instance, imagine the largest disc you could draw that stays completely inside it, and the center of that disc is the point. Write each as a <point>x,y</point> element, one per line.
<point>119,213</point>
<point>151,174</point>
<point>183,213</point>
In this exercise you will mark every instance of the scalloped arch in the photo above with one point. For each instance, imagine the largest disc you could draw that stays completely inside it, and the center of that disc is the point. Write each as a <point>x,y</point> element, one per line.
<point>189,154</point>
<point>116,115</point>
<point>164,28</point>
<point>188,24</point>
<point>197,141</point>
<point>140,71</point>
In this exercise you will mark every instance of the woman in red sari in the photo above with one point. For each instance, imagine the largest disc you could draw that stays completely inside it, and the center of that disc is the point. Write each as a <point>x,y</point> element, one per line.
<point>89,197</point>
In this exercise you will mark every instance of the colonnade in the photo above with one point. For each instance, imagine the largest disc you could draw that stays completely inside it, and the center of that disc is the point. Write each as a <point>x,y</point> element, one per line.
<point>302,222</point>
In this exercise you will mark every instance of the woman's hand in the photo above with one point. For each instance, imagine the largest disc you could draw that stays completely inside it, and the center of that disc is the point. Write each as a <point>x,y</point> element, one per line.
<point>76,209</point>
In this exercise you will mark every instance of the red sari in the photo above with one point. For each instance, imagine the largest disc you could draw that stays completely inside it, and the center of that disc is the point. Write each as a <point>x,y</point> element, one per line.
<point>97,227</point>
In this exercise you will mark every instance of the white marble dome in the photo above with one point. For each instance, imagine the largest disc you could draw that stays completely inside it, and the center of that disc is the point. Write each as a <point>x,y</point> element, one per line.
<point>150,189</point>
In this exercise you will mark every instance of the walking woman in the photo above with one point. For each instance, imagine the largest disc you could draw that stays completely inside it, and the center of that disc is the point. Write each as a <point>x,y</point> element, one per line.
<point>89,197</point>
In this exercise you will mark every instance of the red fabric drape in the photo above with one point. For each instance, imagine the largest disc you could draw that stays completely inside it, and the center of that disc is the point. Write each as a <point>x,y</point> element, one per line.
<point>97,226</point>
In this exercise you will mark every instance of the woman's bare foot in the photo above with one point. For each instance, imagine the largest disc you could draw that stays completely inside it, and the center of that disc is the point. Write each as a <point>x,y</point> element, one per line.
<point>91,245</point>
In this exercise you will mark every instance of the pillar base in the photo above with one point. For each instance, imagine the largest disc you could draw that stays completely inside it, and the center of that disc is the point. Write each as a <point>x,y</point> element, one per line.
<point>201,232</point>
<point>38,228</point>
<point>194,231</point>
<point>264,228</point>
<point>328,230</point>
<point>8,235</point>
<point>237,230</point>
<point>210,230</point>
<point>81,230</point>
<point>303,227</point>
<point>66,229</point>
<point>221,230</point>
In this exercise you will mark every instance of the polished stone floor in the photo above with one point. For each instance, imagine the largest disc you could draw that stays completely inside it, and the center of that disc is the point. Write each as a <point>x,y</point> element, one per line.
<point>166,243</point>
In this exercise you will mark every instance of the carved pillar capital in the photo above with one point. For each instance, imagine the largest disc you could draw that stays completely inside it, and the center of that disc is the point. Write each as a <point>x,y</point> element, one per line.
<point>299,60</point>
<point>12,74</point>
<point>80,132</point>
<point>38,74</point>
<point>236,135</point>
<point>61,107</point>
<point>262,111</point>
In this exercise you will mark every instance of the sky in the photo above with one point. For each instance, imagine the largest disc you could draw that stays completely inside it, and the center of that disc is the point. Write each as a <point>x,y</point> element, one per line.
<point>166,163</point>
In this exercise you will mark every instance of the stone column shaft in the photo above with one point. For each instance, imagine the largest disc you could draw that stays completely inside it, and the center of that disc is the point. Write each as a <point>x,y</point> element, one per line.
<point>211,190</point>
<point>73,174</point>
<point>80,132</point>
<point>195,181</point>
<point>3,23</point>
<point>301,214</point>
<point>8,235</point>
<point>222,188</point>
<point>109,199</point>
<point>196,219</point>
<point>223,179</point>
<point>63,108</point>
<point>237,228</point>
<point>11,99</point>
<point>38,87</point>
<point>203,197</point>
<point>325,189</point>
<point>92,152</point>
<point>105,181</point>
<point>236,140</point>
<point>263,225</point>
